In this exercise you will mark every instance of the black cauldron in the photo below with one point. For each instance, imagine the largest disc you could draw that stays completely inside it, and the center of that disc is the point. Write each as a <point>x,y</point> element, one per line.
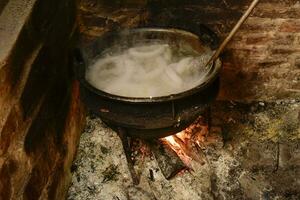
<point>148,117</point>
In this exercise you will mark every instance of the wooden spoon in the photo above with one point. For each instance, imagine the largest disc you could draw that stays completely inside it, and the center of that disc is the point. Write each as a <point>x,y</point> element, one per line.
<point>232,32</point>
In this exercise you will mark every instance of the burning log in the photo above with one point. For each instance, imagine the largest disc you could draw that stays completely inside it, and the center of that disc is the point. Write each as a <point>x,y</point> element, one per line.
<point>168,161</point>
<point>176,152</point>
<point>190,149</point>
<point>190,143</point>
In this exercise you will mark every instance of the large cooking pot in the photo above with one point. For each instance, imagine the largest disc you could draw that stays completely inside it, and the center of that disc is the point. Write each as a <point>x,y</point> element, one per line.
<point>148,117</point>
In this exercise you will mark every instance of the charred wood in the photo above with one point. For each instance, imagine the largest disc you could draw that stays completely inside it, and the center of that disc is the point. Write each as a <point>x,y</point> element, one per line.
<point>169,162</point>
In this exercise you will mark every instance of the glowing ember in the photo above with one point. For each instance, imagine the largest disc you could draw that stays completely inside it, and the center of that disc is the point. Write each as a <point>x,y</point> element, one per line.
<point>188,144</point>
<point>179,149</point>
<point>183,136</point>
<point>172,142</point>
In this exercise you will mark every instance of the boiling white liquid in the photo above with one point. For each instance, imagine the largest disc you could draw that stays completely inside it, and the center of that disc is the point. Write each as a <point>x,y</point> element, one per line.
<point>147,71</point>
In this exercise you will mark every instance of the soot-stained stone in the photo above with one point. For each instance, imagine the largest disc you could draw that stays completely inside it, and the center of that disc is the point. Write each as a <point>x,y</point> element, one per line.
<point>8,169</point>
<point>42,114</point>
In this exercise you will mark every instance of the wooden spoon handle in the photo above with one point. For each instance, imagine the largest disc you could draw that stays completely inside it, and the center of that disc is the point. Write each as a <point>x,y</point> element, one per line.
<point>232,32</point>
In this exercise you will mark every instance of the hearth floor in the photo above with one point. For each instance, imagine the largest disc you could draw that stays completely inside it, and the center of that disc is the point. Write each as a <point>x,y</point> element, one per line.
<point>260,159</point>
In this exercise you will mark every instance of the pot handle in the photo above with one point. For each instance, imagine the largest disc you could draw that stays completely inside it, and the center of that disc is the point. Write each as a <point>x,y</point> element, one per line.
<point>78,63</point>
<point>207,36</point>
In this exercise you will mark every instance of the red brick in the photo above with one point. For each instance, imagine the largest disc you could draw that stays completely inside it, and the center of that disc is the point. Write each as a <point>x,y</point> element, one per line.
<point>284,10</point>
<point>297,62</point>
<point>284,39</point>
<point>260,25</point>
<point>260,39</point>
<point>272,63</point>
<point>285,50</point>
<point>297,40</point>
<point>290,26</point>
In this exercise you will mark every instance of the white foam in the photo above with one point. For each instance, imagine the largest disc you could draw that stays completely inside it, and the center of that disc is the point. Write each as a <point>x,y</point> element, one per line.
<point>147,71</point>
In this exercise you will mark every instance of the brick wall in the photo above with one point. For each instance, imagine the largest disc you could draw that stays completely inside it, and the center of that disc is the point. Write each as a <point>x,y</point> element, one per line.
<point>262,61</point>
<point>264,56</point>
<point>40,112</point>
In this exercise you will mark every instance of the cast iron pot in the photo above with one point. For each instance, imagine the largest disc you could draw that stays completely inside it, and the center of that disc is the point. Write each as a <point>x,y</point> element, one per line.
<point>147,117</point>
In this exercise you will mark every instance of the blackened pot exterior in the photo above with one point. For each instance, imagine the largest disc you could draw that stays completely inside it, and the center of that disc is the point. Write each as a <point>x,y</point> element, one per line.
<point>147,117</point>
<point>148,120</point>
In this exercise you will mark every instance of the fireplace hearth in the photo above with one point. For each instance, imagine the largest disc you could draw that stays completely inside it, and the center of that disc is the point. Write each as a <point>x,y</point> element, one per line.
<point>251,161</point>
<point>252,148</point>
<point>247,148</point>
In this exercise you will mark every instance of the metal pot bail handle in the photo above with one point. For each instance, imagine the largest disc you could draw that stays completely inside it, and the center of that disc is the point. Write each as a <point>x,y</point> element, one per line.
<point>207,36</point>
<point>78,63</point>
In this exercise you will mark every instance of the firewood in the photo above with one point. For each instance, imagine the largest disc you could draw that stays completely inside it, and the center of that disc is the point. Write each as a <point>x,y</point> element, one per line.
<point>168,161</point>
<point>127,150</point>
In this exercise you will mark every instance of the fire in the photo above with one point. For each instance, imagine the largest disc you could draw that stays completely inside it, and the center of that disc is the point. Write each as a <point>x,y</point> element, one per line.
<point>172,142</point>
<point>178,148</point>
<point>183,136</point>
<point>188,144</point>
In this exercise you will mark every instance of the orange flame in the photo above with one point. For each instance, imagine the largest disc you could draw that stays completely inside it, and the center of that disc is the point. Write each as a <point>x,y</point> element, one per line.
<point>188,143</point>
<point>178,149</point>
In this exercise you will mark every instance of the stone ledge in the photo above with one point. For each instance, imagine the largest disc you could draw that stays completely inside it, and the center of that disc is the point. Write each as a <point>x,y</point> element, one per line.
<point>12,19</point>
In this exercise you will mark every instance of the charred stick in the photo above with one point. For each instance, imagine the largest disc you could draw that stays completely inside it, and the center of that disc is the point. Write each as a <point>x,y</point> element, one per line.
<point>191,150</point>
<point>123,136</point>
<point>168,161</point>
<point>151,175</point>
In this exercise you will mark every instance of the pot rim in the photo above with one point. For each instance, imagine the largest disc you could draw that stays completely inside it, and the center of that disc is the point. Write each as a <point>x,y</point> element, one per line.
<point>211,75</point>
